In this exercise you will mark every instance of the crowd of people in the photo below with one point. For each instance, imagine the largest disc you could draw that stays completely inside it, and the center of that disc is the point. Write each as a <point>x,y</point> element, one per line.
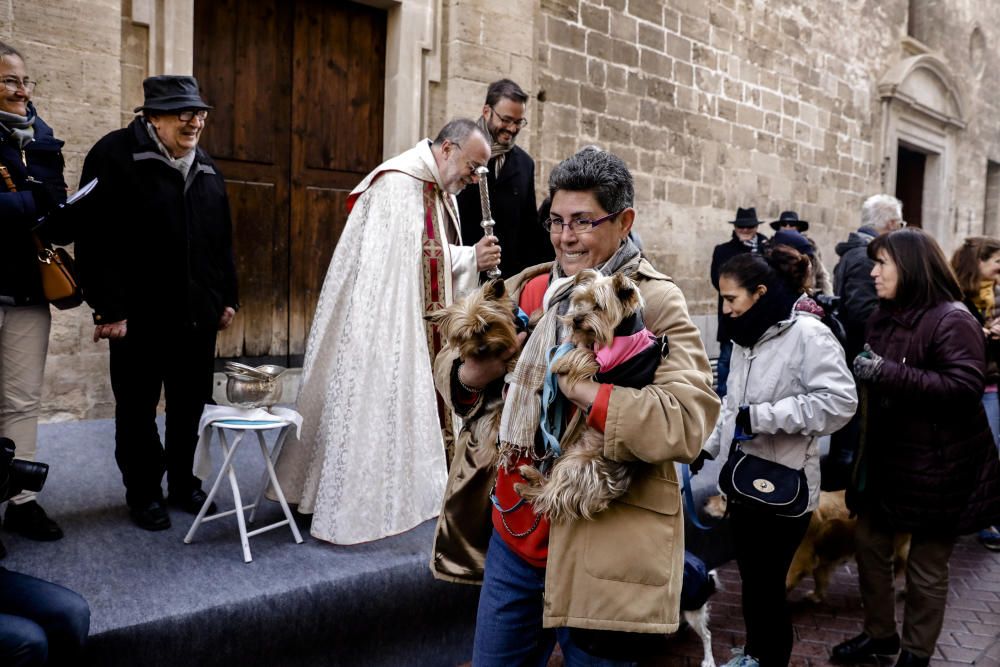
<point>899,367</point>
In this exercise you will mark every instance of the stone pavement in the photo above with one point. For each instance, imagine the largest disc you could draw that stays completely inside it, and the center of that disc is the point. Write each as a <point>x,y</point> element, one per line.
<point>971,633</point>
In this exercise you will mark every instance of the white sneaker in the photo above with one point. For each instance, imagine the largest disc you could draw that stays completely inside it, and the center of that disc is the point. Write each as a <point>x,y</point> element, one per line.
<point>741,659</point>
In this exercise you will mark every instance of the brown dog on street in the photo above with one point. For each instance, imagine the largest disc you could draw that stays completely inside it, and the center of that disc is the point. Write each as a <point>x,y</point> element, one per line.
<point>829,542</point>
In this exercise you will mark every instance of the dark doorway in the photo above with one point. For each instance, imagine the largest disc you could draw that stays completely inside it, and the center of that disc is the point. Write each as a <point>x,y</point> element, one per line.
<point>910,184</point>
<point>297,87</point>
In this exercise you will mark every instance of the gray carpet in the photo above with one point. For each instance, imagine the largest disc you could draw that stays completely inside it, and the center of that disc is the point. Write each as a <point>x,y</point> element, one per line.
<point>157,601</point>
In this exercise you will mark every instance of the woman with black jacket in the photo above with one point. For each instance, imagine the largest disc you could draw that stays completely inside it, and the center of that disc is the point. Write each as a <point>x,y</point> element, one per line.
<point>31,185</point>
<point>927,464</point>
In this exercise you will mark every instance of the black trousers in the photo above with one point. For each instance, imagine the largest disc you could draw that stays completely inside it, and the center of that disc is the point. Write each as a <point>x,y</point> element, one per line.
<point>150,358</point>
<point>764,545</point>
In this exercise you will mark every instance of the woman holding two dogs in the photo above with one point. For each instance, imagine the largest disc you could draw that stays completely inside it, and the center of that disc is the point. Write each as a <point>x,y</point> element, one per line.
<point>561,579</point>
<point>927,461</point>
<point>788,384</point>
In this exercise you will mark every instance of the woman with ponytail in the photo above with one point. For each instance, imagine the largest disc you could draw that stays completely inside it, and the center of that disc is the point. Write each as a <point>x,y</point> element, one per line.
<point>789,384</point>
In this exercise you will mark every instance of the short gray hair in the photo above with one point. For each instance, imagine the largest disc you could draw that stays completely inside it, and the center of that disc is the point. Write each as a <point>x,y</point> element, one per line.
<point>879,211</point>
<point>597,171</point>
<point>458,130</point>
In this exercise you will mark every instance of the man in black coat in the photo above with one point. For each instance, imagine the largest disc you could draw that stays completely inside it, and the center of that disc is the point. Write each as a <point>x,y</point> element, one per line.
<point>156,264</point>
<point>511,183</point>
<point>745,238</point>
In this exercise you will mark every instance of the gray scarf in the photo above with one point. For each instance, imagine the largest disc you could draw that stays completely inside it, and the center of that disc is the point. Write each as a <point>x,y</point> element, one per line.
<point>182,163</point>
<point>498,151</point>
<point>522,411</point>
<point>20,128</point>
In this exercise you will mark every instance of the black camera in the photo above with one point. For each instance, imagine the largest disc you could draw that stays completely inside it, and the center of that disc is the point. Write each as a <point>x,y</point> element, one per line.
<point>17,475</point>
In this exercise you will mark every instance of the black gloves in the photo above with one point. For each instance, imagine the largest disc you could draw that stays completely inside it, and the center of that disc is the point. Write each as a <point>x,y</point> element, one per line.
<point>867,365</point>
<point>743,429</point>
<point>696,465</point>
<point>47,197</point>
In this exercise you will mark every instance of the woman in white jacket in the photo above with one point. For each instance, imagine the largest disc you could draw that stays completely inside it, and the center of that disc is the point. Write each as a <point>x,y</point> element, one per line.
<point>789,383</point>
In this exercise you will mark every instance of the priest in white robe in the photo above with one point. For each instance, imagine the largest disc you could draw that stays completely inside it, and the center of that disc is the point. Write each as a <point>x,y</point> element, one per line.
<point>370,461</point>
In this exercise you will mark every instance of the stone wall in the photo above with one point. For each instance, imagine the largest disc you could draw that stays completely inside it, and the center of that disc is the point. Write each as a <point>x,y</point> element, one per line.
<point>72,48</point>
<point>714,105</point>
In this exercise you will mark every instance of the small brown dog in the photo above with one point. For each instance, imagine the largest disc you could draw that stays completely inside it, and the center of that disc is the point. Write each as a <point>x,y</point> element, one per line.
<point>828,543</point>
<point>482,325</point>
<point>582,482</point>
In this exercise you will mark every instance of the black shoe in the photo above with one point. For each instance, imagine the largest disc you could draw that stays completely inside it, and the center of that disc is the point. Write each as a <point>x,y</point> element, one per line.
<point>907,659</point>
<point>150,517</point>
<point>191,501</point>
<point>3,551</point>
<point>30,520</point>
<point>863,647</point>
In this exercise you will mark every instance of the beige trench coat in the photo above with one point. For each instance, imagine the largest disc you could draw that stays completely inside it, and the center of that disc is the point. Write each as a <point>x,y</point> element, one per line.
<point>623,570</point>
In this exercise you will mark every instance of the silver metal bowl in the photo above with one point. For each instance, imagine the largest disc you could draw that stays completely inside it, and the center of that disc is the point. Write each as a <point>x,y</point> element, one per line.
<point>250,392</point>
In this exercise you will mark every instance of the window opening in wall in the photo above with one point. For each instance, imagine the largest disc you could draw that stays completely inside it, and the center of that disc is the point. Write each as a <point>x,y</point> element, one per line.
<point>910,166</point>
<point>991,215</point>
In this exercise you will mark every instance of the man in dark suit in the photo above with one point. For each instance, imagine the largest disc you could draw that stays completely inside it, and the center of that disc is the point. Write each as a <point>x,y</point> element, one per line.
<point>745,238</point>
<point>511,183</point>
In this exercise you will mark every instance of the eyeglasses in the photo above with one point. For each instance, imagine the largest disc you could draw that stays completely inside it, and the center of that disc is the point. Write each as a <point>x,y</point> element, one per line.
<point>581,226</point>
<point>12,83</point>
<point>507,120</point>
<point>186,116</point>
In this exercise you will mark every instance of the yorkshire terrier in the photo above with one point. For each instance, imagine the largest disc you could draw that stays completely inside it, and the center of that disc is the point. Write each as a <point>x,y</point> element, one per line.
<point>484,324</point>
<point>582,481</point>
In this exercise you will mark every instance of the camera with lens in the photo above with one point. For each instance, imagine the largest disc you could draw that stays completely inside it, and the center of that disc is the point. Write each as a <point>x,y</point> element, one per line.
<point>17,475</point>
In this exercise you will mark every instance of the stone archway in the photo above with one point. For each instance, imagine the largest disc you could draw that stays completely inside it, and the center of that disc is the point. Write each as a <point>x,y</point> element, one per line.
<point>922,110</point>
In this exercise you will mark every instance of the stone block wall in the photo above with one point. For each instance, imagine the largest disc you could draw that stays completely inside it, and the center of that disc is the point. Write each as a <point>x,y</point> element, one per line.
<point>716,105</point>
<point>73,49</point>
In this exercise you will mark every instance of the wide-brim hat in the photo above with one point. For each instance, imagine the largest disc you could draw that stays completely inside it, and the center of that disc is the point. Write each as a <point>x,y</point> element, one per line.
<point>745,217</point>
<point>171,92</point>
<point>790,218</point>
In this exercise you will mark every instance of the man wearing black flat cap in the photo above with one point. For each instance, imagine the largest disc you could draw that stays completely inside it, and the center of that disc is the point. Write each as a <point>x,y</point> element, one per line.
<point>745,238</point>
<point>822,282</point>
<point>156,265</point>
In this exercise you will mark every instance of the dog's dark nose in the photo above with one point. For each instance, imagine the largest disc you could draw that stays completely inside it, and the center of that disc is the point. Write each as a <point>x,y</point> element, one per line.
<point>578,320</point>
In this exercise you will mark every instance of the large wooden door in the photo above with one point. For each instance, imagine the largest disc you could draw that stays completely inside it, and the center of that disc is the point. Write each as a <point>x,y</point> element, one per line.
<point>298,93</point>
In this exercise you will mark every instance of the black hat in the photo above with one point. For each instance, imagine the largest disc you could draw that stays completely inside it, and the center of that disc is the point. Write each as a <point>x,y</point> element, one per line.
<point>793,239</point>
<point>745,217</point>
<point>171,92</point>
<point>790,218</point>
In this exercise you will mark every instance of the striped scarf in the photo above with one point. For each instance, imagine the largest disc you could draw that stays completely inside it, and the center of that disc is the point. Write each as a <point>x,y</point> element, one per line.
<point>522,411</point>
<point>498,151</point>
<point>20,128</point>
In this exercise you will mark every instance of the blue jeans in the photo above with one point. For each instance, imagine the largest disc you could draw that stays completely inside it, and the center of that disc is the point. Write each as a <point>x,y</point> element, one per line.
<point>991,403</point>
<point>509,621</point>
<point>722,366</point>
<point>41,623</point>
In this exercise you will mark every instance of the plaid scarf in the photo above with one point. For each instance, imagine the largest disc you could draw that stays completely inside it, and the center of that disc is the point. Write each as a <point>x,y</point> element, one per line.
<point>522,411</point>
<point>19,128</point>
<point>498,151</point>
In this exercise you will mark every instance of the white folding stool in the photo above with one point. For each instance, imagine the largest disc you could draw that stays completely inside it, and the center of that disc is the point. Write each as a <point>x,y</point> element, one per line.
<point>240,427</point>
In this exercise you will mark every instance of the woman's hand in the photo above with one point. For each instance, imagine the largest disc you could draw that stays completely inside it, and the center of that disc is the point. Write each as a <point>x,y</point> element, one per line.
<point>867,365</point>
<point>582,394</point>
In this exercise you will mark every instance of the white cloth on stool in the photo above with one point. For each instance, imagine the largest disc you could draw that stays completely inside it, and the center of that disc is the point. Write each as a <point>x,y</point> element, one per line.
<point>215,413</point>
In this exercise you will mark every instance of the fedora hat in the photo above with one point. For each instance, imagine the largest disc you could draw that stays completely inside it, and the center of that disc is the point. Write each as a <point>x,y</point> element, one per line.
<point>171,92</point>
<point>745,217</point>
<point>790,218</point>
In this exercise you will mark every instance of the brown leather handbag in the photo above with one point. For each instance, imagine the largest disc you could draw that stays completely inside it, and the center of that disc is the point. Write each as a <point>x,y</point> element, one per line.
<point>59,282</point>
